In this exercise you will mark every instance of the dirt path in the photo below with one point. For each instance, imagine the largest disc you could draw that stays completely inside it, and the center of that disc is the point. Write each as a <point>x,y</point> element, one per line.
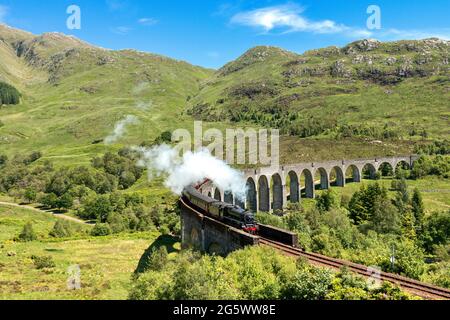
<point>61,216</point>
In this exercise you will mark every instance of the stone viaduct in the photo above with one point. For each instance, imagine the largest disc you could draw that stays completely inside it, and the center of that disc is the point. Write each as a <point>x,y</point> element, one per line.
<point>271,189</point>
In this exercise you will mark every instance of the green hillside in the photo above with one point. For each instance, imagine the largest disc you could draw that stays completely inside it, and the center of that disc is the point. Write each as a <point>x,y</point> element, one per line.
<point>366,99</point>
<point>366,90</point>
<point>74,94</point>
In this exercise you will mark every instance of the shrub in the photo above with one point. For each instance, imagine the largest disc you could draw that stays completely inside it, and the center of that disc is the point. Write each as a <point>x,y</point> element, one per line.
<point>50,200</point>
<point>61,229</point>
<point>30,195</point>
<point>43,262</point>
<point>308,283</point>
<point>158,259</point>
<point>8,94</point>
<point>27,233</point>
<point>101,229</point>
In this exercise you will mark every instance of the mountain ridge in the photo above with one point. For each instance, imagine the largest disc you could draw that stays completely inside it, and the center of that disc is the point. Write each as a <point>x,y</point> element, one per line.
<point>74,93</point>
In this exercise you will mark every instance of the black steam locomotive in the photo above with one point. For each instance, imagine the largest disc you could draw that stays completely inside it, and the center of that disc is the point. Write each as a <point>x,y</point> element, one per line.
<point>225,212</point>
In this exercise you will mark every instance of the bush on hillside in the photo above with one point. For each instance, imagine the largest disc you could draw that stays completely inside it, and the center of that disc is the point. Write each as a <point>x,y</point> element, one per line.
<point>8,94</point>
<point>43,262</point>
<point>27,233</point>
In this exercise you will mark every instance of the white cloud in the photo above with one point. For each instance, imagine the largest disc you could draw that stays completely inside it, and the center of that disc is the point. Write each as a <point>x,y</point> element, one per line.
<point>122,30</point>
<point>289,17</point>
<point>148,21</point>
<point>3,12</point>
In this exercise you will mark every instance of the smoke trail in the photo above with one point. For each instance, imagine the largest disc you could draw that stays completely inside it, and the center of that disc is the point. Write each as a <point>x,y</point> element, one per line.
<point>120,129</point>
<point>192,168</point>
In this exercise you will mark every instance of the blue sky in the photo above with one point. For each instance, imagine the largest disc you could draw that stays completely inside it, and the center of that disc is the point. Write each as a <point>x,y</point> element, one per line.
<point>211,33</point>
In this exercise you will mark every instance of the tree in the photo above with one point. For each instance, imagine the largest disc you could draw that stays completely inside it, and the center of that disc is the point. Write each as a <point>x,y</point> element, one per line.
<point>362,204</point>
<point>401,200</point>
<point>326,201</point>
<point>101,229</point>
<point>436,230</point>
<point>99,207</point>
<point>50,200</point>
<point>158,259</point>
<point>409,259</point>
<point>409,222</point>
<point>61,229</point>
<point>418,209</point>
<point>64,202</point>
<point>27,233</point>
<point>386,218</point>
<point>30,195</point>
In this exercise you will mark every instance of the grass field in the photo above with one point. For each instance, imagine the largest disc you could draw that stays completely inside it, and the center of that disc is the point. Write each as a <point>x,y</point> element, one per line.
<point>106,263</point>
<point>435,191</point>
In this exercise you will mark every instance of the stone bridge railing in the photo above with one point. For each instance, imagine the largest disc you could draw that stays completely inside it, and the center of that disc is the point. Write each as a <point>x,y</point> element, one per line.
<point>271,189</point>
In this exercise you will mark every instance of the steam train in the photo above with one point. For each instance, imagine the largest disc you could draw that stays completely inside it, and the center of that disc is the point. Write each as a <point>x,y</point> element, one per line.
<point>227,213</point>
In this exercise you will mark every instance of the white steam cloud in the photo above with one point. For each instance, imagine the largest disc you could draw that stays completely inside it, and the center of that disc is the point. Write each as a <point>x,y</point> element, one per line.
<point>120,129</point>
<point>192,168</point>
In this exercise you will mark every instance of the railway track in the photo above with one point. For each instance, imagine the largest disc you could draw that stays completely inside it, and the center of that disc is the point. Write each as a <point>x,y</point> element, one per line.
<point>415,287</point>
<point>418,288</point>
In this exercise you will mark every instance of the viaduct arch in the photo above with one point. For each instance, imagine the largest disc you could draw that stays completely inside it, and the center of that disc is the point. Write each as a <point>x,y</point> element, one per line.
<point>271,189</point>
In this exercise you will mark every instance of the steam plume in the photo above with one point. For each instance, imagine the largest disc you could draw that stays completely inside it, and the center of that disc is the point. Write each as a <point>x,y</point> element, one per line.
<point>120,129</point>
<point>192,168</point>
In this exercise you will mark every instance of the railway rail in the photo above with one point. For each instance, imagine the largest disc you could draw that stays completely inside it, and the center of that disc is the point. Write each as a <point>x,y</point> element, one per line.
<point>418,288</point>
<point>423,290</point>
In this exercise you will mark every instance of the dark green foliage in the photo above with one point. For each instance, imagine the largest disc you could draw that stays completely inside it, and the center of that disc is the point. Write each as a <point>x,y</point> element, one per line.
<point>165,137</point>
<point>61,229</point>
<point>418,209</point>
<point>386,218</point>
<point>122,166</point>
<point>308,283</point>
<point>50,200</point>
<point>386,170</point>
<point>8,94</point>
<point>435,148</point>
<point>97,208</point>
<point>362,204</point>
<point>327,200</point>
<point>43,262</point>
<point>32,157</point>
<point>27,233</point>
<point>409,260</point>
<point>3,159</point>
<point>101,229</point>
<point>158,259</point>
<point>436,230</point>
<point>64,202</point>
<point>250,274</point>
<point>30,195</point>
<point>438,166</point>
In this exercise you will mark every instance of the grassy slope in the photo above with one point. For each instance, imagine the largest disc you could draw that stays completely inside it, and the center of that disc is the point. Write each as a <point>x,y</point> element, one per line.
<point>106,263</point>
<point>435,191</point>
<point>79,93</point>
<point>305,86</point>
